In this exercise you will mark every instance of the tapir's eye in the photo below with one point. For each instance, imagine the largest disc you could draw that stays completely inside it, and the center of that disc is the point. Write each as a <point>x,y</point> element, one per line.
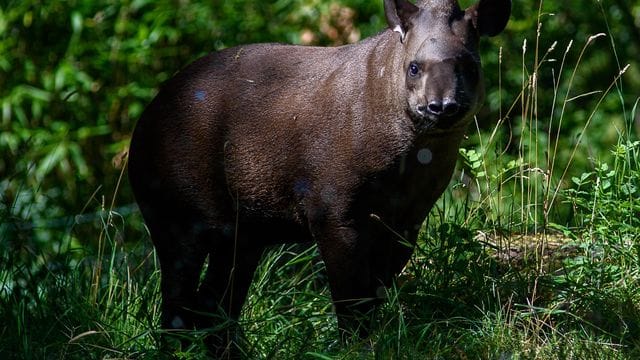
<point>413,69</point>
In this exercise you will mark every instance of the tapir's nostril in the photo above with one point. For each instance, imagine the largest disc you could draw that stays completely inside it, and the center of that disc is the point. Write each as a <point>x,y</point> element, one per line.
<point>450,108</point>
<point>435,107</point>
<point>444,108</point>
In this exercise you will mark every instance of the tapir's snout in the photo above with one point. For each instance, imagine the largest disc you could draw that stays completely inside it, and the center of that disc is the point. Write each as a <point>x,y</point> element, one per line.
<point>439,108</point>
<point>446,93</point>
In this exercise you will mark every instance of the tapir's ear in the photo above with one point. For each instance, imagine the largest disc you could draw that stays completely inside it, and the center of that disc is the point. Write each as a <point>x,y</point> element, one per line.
<point>399,13</point>
<point>490,17</point>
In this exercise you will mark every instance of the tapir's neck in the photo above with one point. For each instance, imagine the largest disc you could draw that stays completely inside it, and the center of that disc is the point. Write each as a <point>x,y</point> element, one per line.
<point>385,73</point>
<point>385,119</point>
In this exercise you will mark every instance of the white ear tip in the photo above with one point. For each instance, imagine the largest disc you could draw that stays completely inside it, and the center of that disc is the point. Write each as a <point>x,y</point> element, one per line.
<point>399,30</point>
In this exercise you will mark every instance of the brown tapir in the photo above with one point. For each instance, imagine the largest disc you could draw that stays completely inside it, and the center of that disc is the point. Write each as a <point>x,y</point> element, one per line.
<point>348,146</point>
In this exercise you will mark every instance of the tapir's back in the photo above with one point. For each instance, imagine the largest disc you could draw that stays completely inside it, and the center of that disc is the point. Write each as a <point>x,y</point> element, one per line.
<point>248,118</point>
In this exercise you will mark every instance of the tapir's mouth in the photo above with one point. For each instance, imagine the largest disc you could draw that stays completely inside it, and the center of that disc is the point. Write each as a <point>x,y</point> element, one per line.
<point>424,123</point>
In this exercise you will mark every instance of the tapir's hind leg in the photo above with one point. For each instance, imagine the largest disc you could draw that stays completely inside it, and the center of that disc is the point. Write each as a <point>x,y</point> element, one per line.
<point>181,250</point>
<point>224,289</point>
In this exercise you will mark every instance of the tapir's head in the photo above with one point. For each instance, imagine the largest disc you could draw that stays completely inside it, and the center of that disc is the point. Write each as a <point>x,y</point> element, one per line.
<point>441,66</point>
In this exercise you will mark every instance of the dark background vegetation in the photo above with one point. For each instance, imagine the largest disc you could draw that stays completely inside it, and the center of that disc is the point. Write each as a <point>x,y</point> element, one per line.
<point>75,76</point>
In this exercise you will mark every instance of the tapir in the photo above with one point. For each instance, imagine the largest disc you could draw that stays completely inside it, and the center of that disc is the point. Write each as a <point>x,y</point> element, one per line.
<point>346,146</point>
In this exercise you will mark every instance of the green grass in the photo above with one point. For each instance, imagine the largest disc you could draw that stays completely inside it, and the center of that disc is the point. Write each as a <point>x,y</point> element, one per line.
<point>564,292</point>
<point>532,253</point>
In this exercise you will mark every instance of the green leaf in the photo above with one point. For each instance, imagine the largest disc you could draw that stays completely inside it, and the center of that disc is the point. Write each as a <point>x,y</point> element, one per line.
<point>51,160</point>
<point>78,160</point>
<point>76,22</point>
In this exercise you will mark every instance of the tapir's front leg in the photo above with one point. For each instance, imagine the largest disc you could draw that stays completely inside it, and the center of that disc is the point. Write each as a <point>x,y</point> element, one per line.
<point>346,258</point>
